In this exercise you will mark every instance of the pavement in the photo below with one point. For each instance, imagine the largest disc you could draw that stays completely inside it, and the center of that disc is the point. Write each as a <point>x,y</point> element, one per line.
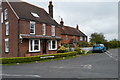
<point>100,65</point>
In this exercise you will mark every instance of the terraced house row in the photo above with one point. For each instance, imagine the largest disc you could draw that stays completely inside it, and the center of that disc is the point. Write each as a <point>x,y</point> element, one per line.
<point>28,30</point>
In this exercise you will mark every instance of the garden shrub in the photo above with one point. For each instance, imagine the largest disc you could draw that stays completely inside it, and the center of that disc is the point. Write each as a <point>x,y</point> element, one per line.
<point>62,49</point>
<point>36,58</point>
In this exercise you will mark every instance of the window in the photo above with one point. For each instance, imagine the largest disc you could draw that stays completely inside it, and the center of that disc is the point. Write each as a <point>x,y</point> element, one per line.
<point>52,45</point>
<point>53,30</point>
<point>35,14</point>
<point>6,45</point>
<point>1,17</point>
<point>32,27</point>
<point>43,29</point>
<point>7,28</point>
<point>66,37</point>
<point>34,45</point>
<point>5,14</point>
<point>81,39</point>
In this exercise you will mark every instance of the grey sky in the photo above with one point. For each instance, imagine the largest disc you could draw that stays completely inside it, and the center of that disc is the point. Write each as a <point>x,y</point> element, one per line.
<point>100,17</point>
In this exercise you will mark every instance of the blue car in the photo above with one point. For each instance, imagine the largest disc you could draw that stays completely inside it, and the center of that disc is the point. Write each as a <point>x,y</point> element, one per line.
<point>99,48</point>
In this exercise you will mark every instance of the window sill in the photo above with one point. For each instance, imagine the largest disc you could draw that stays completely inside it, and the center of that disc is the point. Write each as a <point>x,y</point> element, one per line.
<point>34,51</point>
<point>52,49</point>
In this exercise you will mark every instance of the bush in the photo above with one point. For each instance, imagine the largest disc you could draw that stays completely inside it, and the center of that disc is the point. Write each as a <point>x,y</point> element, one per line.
<point>36,58</point>
<point>62,49</point>
<point>79,51</point>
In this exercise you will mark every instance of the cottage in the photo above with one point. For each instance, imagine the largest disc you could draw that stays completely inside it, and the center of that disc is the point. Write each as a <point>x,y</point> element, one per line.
<point>71,35</point>
<point>28,30</point>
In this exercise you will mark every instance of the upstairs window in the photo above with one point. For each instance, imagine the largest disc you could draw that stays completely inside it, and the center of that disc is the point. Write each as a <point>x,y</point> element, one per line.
<point>7,28</point>
<point>44,29</point>
<point>32,27</point>
<point>34,45</point>
<point>6,45</point>
<point>52,45</point>
<point>81,38</point>
<point>5,14</point>
<point>53,30</point>
<point>66,37</point>
<point>1,17</point>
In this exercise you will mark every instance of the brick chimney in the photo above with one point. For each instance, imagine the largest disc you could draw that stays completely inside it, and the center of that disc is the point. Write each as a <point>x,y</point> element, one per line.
<point>50,7</point>
<point>61,22</point>
<point>77,27</point>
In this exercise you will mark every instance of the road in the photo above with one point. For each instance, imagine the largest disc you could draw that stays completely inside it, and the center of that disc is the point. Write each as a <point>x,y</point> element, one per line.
<point>89,66</point>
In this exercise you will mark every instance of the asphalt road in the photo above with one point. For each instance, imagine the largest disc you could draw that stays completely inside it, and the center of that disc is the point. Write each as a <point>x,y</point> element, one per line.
<point>89,66</point>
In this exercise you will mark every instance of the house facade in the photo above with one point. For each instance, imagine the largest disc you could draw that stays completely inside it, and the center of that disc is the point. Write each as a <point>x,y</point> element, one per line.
<point>28,30</point>
<point>71,35</point>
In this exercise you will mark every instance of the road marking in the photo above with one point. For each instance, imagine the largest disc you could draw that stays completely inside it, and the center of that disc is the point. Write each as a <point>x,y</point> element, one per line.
<point>110,55</point>
<point>18,75</point>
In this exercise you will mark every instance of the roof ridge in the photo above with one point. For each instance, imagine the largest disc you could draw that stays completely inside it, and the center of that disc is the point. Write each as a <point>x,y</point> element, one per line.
<point>32,4</point>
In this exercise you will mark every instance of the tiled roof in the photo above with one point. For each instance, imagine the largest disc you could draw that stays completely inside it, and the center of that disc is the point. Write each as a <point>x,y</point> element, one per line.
<point>24,10</point>
<point>66,30</point>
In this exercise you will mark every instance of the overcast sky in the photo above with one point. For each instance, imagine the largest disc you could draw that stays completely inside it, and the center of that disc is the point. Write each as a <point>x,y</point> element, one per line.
<point>91,16</point>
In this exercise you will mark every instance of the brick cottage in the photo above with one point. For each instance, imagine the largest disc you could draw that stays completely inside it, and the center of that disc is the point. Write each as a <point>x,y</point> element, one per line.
<point>28,30</point>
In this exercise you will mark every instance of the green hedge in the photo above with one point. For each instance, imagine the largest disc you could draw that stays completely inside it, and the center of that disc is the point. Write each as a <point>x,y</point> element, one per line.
<point>36,58</point>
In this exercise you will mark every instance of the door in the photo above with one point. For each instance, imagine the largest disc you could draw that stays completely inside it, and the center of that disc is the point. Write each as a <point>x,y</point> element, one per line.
<point>44,46</point>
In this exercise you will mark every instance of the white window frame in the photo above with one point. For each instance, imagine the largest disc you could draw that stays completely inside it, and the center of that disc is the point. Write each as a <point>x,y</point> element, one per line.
<point>81,38</point>
<point>7,28</point>
<point>5,14</point>
<point>33,45</point>
<point>6,45</point>
<point>32,22</point>
<point>44,29</point>
<point>66,37</point>
<point>50,45</point>
<point>1,17</point>
<point>53,30</point>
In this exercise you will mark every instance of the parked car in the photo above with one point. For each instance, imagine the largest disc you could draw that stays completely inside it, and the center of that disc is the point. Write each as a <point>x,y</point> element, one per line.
<point>99,48</point>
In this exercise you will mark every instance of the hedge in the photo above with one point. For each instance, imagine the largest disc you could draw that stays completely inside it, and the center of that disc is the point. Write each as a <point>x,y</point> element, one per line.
<point>36,58</point>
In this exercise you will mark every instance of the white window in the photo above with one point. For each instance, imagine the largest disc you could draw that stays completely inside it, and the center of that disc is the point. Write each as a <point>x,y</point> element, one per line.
<point>7,28</point>
<point>5,14</point>
<point>32,27</point>
<point>6,45</point>
<point>66,37</point>
<point>53,30</point>
<point>34,45</point>
<point>1,17</point>
<point>44,29</point>
<point>52,45</point>
<point>81,38</point>
<point>35,14</point>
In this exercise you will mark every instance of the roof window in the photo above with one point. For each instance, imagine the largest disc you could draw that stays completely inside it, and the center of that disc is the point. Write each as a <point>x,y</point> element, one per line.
<point>35,14</point>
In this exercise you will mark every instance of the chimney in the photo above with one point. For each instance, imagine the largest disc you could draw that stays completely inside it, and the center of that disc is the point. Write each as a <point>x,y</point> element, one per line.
<point>61,22</point>
<point>77,27</point>
<point>50,7</point>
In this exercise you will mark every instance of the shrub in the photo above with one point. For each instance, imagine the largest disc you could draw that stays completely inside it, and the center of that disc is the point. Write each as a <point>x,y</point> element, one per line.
<point>79,51</point>
<point>62,49</point>
<point>36,58</point>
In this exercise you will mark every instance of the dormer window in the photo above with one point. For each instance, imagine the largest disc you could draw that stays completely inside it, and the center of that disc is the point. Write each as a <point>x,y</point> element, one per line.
<point>35,14</point>
<point>44,29</point>
<point>5,14</point>
<point>32,27</point>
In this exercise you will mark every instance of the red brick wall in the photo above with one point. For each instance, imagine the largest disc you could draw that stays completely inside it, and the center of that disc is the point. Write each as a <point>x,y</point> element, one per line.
<point>25,29</point>
<point>13,33</point>
<point>69,38</point>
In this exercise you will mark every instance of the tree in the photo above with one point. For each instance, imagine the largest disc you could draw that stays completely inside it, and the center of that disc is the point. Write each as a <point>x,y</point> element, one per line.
<point>97,38</point>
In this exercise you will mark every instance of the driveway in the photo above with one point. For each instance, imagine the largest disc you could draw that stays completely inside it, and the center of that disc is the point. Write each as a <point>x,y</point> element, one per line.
<point>89,66</point>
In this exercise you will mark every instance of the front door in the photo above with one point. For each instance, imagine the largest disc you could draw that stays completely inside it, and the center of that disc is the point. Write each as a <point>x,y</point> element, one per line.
<point>44,46</point>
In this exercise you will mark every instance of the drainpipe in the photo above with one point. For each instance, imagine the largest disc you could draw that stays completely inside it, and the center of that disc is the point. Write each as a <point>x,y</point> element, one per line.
<point>18,39</point>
